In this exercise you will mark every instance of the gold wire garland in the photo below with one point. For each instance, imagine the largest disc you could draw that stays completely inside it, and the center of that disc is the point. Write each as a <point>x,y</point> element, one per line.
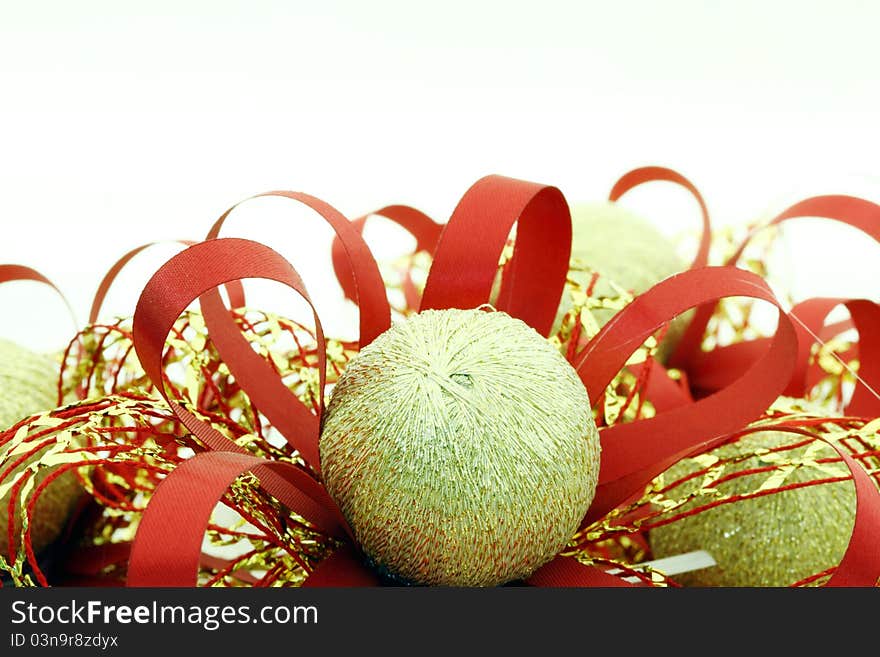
<point>28,383</point>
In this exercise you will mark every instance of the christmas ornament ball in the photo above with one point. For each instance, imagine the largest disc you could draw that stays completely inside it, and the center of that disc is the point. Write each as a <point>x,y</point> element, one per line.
<point>28,385</point>
<point>27,382</point>
<point>621,245</point>
<point>461,448</point>
<point>627,251</point>
<point>771,540</point>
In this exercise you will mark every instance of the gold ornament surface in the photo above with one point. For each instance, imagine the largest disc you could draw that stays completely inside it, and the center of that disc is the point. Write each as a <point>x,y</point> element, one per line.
<point>784,512</point>
<point>615,255</point>
<point>28,385</point>
<point>27,381</point>
<point>461,449</point>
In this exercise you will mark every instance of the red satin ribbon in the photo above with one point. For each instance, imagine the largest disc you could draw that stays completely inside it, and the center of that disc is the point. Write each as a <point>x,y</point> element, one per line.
<point>852,211</point>
<point>634,453</point>
<point>367,289</point>
<point>234,288</point>
<point>644,175</point>
<point>466,259</point>
<point>195,273</point>
<point>860,565</point>
<point>168,554</point>
<point>415,222</point>
<point>13,272</point>
<point>461,276</point>
<point>716,369</point>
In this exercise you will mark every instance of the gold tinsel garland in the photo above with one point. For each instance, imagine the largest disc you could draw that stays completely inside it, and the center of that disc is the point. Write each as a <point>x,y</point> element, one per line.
<point>29,382</point>
<point>773,507</point>
<point>122,425</point>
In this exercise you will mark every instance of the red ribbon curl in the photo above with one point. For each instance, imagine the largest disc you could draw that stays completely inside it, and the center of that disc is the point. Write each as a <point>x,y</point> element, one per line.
<point>167,548</point>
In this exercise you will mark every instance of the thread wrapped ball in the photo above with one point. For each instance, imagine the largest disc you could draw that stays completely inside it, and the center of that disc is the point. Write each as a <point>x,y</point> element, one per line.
<point>621,245</point>
<point>625,250</point>
<point>773,540</point>
<point>27,381</point>
<point>28,385</point>
<point>461,449</point>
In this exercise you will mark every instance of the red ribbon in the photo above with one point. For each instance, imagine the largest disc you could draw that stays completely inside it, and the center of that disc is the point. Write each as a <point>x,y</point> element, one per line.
<point>234,289</point>
<point>852,211</point>
<point>716,369</point>
<point>189,496</point>
<point>466,260</point>
<point>634,453</point>
<point>415,222</point>
<point>644,175</point>
<point>13,272</point>
<point>367,287</point>
<point>167,548</point>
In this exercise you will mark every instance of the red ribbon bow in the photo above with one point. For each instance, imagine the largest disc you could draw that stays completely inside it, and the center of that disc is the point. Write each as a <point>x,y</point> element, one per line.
<point>738,382</point>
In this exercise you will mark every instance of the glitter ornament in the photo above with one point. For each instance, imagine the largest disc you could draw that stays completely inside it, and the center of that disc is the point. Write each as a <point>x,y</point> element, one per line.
<point>777,539</point>
<point>461,448</point>
<point>27,382</point>
<point>622,245</point>
<point>626,251</point>
<point>28,385</point>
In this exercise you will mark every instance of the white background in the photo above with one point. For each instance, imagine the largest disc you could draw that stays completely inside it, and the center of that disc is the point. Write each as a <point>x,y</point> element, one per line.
<point>122,123</point>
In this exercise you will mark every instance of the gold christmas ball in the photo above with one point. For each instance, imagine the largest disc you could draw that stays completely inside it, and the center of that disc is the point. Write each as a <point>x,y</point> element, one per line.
<point>776,539</point>
<point>27,381</point>
<point>628,253</point>
<point>621,245</point>
<point>28,385</point>
<point>461,448</point>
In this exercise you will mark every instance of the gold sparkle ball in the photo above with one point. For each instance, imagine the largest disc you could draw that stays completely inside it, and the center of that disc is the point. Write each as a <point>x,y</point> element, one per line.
<point>777,539</point>
<point>461,448</point>
<point>620,244</point>
<point>627,251</point>
<point>27,381</point>
<point>28,385</point>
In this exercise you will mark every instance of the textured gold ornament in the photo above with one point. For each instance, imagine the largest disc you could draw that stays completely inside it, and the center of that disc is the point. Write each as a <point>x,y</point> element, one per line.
<point>27,386</point>
<point>615,254</point>
<point>777,539</point>
<point>461,448</point>
<point>622,245</point>
<point>27,381</point>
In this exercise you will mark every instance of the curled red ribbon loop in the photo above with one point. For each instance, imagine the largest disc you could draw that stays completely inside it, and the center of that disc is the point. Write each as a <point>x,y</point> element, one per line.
<point>234,288</point>
<point>865,318</point>
<point>12,272</point>
<point>167,548</point>
<point>415,222</point>
<point>643,175</point>
<point>185,277</point>
<point>634,453</point>
<point>860,565</point>
<point>367,287</point>
<point>467,255</point>
<point>195,273</point>
<point>569,572</point>
<point>716,369</point>
<point>852,211</point>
